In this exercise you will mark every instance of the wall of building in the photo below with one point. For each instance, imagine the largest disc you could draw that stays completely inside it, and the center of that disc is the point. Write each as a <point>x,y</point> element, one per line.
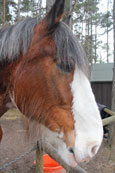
<point>103,92</point>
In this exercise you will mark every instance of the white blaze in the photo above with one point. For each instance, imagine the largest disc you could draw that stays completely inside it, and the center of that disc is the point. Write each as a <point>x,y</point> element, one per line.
<point>88,124</point>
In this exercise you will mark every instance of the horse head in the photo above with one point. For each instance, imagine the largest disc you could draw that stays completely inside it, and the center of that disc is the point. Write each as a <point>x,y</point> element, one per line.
<point>49,84</point>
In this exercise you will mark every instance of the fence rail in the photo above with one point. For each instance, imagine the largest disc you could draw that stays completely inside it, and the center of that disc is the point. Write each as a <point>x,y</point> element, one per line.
<point>109,120</point>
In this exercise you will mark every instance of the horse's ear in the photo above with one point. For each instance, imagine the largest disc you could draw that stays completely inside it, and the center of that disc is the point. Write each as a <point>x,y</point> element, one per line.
<point>55,14</point>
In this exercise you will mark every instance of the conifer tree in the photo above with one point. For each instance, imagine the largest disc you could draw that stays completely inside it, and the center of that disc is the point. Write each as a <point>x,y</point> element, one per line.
<point>112,155</point>
<point>49,4</point>
<point>5,15</point>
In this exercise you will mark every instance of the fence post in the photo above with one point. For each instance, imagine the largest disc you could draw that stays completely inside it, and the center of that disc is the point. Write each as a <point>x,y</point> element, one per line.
<point>109,120</point>
<point>52,153</point>
<point>39,161</point>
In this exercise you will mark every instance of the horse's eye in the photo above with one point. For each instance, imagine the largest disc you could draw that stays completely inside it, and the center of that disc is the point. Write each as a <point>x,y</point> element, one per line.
<point>54,60</point>
<point>67,68</point>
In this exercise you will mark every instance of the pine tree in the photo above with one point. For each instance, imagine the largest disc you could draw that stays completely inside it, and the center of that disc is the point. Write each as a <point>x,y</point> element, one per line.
<point>112,155</point>
<point>18,16</point>
<point>87,21</point>
<point>67,14</point>
<point>5,16</point>
<point>107,25</point>
<point>4,13</point>
<point>49,4</point>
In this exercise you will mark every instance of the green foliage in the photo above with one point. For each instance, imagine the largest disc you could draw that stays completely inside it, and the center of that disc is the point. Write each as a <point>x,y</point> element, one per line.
<point>25,8</point>
<point>106,20</point>
<point>87,19</point>
<point>29,8</point>
<point>8,16</point>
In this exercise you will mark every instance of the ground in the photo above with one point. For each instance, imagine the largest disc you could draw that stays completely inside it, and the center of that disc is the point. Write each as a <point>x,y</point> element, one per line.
<point>15,143</point>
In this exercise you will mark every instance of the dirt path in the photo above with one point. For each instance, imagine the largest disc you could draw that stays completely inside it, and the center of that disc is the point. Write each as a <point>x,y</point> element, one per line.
<point>14,144</point>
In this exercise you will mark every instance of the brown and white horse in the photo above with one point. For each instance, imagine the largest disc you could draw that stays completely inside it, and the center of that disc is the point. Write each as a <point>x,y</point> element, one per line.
<point>43,71</point>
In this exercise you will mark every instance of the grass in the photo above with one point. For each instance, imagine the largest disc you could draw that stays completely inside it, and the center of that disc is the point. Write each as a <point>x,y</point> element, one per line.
<point>12,114</point>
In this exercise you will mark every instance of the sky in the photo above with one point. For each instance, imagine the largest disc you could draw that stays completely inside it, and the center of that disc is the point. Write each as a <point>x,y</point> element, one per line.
<point>44,3</point>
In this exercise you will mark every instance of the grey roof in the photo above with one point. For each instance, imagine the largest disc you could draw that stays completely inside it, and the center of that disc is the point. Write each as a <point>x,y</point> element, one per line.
<point>102,72</point>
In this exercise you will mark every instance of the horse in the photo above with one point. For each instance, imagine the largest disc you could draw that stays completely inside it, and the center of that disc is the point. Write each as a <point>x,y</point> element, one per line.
<point>1,133</point>
<point>44,73</point>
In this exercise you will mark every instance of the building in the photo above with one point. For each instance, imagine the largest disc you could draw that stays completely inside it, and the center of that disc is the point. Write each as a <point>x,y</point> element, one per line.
<point>101,81</point>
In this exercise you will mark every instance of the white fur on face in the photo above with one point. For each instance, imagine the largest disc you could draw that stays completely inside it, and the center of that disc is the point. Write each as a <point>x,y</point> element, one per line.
<point>88,124</point>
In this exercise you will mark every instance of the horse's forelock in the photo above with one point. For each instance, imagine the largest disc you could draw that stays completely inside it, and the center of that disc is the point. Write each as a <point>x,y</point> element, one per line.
<point>16,39</point>
<point>69,49</point>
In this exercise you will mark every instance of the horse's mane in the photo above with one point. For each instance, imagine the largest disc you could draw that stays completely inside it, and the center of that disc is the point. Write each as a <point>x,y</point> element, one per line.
<point>16,39</point>
<point>69,50</point>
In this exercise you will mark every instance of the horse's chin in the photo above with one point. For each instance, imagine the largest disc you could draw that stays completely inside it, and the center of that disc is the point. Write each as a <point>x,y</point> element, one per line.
<point>66,156</point>
<point>72,161</point>
<point>58,145</point>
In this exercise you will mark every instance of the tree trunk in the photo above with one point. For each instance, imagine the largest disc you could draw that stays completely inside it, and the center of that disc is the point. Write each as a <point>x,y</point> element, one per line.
<point>18,17</point>
<point>40,8</point>
<point>112,155</point>
<point>87,38</point>
<point>82,36</point>
<point>107,32</point>
<point>4,12</point>
<point>91,43</point>
<point>67,13</point>
<point>49,4</point>
<point>95,59</point>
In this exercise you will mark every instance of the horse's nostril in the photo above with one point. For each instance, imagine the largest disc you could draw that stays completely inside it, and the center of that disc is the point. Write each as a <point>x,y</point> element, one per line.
<point>71,150</point>
<point>94,150</point>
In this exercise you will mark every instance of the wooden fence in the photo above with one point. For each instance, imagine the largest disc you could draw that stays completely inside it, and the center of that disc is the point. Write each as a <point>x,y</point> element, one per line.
<point>103,92</point>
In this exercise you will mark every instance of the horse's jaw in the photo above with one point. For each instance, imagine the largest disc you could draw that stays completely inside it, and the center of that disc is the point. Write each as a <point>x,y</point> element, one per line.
<point>54,141</point>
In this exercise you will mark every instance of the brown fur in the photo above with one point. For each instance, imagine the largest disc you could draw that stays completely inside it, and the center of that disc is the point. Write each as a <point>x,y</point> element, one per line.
<point>1,133</point>
<point>4,98</point>
<point>40,90</point>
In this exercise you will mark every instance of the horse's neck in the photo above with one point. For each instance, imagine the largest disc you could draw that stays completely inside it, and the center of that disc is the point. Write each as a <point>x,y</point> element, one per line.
<point>5,103</point>
<point>4,97</point>
<point>3,84</point>
<point>3,107</point>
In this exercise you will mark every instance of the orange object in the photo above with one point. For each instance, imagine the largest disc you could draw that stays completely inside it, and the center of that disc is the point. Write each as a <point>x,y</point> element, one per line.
<point>50,165</point>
